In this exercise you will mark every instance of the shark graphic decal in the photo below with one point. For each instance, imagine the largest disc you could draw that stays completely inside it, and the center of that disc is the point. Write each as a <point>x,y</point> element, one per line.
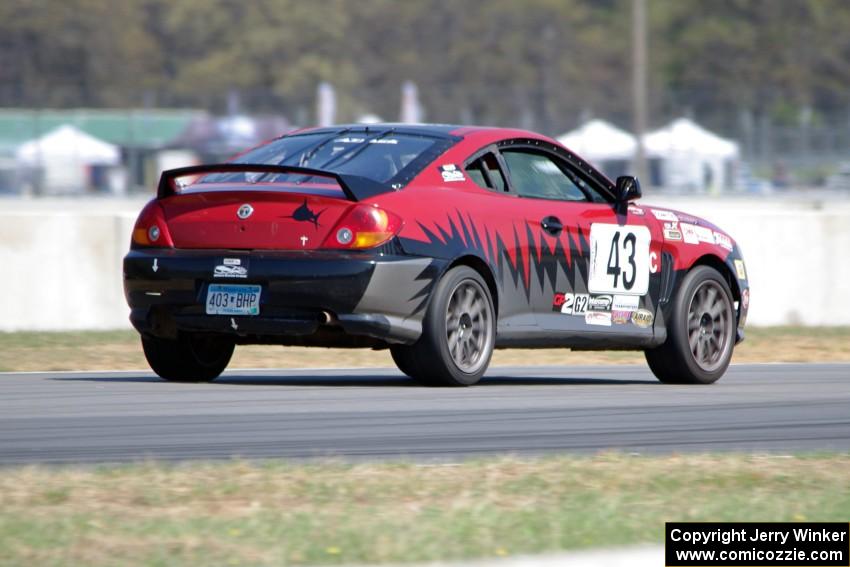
<point>527,265</point>
<point>304,214</point>
<point>515,251</point>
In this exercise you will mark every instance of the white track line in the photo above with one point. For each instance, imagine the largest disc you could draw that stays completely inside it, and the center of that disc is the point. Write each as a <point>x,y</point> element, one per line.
<point>641,556</point>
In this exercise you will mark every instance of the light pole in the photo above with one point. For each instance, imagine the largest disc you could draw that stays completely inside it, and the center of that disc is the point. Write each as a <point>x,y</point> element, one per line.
<point>639,86</point>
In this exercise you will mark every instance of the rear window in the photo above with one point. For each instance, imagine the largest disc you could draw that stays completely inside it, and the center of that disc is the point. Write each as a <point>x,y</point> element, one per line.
<point>387,157</point>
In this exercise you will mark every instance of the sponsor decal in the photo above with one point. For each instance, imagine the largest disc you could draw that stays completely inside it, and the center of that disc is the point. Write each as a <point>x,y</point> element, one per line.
<point>232,262</point>
<point>356,140</point>
<point>621,317</point>
<point>558,301</point>
<point>704,234</point>
<point>451,172</point>
<point>689,235</point>
<point>625,303</point>
<point>636,211</point>
<point>155,266</point>
<point>687,218</point>
<point>597,318</point>
<point>653,262</point>
<point>671,231</point>
<point>693,234</point>
<point>600,303</point>
<point>622,308</point>
<point>304,214</point>
<point>303,240</point>
<point>740,269</point>
<point>571,303</point>
<point>244,211</point>
<point>665,215</point>
<point>224,271</point>
<point>642,318</point>
<point>722,240</point>
<point>745,299</point>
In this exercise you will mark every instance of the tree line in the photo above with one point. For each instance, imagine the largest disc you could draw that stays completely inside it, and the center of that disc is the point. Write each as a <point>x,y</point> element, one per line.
<point>542,64</point>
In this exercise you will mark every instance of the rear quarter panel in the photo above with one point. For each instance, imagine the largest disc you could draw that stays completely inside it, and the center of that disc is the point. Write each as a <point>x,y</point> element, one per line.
<point>449,223</point>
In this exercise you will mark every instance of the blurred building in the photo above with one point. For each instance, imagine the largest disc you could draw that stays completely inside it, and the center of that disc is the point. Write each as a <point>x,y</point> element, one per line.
<point>56,151</point>
<point>139,135</point>
<point>220,138</point>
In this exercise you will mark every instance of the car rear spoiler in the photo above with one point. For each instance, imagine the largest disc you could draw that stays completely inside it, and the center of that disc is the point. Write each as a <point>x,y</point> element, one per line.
<point>355,187</point>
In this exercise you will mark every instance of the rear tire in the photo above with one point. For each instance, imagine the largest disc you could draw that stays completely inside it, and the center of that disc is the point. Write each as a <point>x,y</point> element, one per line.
<point>458,333</point>
<point>403,359</point>
<point>190,358</point>
<point>700,333</point>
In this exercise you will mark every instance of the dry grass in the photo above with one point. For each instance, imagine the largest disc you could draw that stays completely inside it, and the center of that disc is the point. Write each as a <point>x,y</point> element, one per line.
<point>275,513</point>
<point>120,350</point>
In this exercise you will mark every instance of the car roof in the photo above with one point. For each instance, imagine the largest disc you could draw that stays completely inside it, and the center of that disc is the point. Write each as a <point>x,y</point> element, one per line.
<point>436,130</point>
<point>463,137</point>
<point>455,131</point>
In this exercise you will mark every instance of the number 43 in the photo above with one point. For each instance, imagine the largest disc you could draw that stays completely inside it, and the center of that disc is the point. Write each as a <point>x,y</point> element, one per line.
<point>614,268</point>
<point>619,259</point>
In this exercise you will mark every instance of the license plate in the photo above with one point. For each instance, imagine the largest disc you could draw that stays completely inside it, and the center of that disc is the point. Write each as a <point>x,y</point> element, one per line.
<point>233,299</point>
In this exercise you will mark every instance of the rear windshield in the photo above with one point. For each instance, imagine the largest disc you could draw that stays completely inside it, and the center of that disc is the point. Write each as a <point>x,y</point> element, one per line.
<point>387,157</point>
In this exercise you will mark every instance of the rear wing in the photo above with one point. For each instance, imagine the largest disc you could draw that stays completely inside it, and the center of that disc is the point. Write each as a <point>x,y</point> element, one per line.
<point>355,187</point>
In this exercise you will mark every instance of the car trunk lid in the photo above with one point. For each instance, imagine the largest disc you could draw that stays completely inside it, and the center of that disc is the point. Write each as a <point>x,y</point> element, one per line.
<point>245,217</point>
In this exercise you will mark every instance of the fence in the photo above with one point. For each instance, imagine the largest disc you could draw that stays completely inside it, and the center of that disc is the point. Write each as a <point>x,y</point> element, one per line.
<point>62,259</point>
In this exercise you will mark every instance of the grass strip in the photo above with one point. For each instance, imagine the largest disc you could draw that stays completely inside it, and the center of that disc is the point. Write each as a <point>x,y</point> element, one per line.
<point>264,513</point>
<point>120,350</point>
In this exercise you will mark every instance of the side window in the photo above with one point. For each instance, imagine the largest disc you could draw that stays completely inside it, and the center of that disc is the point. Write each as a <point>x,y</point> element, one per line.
<point>486,173</point>
<point>535,174</point>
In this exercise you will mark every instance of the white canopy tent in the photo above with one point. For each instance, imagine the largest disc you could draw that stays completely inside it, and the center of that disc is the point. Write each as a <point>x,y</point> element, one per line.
<point>64,157</point>
<point>691,157</point>
<point>604,145</point>
<point>598,140</point>
<point>68,143</point>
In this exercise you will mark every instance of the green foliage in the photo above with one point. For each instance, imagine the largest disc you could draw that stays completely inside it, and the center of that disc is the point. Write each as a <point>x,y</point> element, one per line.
<point>536,63</point>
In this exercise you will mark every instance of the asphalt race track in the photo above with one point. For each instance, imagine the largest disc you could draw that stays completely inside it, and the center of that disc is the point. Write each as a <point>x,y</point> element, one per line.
<point>370,414</point>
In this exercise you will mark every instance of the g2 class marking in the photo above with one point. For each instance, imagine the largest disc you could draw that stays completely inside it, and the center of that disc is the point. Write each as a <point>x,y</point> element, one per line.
<point>571,303</point>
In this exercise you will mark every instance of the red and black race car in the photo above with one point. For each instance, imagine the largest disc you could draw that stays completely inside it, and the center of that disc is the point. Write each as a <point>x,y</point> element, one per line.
<point>438,242</point>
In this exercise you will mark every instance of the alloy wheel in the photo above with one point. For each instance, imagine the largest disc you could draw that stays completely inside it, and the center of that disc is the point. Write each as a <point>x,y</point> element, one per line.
<point>468,326</point>
<point>710,325</point>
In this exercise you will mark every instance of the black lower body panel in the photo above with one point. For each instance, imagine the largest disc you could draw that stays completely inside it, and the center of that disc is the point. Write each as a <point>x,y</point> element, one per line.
<point>309,298</point>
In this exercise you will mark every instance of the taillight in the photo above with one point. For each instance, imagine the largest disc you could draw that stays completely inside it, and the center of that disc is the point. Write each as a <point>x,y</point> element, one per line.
<point>150,230</point>
<point>364,226</point>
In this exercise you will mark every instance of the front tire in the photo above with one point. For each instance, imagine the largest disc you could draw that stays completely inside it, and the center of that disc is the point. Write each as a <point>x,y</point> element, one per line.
<point>458,333</point>
<point>190,358</point>
<point>701,332</point>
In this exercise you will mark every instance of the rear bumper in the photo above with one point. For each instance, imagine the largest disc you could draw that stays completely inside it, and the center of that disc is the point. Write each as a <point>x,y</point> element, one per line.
<point>314,297</point>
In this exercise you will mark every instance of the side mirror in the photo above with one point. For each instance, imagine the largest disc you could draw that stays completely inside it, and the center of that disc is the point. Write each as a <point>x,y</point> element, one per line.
<point>628,189</point>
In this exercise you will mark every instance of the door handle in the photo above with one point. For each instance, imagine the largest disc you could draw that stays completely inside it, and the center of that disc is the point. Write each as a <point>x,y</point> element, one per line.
<point>552,225</point>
